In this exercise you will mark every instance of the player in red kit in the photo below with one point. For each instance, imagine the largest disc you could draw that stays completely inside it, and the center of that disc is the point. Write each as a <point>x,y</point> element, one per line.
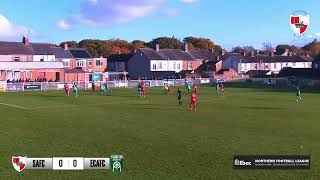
<point>143,89</point>
<point>169,88</point>
<point>67,89</point>
<point>196,89</point>
<point>222,88</point>
<point>193,102</point>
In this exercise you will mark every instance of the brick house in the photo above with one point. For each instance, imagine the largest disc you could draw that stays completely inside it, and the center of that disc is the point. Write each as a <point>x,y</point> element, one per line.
<point>83,67</point>
<point>28,61</point>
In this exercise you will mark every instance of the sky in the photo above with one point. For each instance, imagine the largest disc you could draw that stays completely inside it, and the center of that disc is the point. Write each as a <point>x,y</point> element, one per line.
<point>228,23</point>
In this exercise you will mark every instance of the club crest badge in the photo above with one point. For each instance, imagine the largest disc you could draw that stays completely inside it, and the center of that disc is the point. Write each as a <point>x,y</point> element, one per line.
<point>299,22</point>
<point>19,162</point>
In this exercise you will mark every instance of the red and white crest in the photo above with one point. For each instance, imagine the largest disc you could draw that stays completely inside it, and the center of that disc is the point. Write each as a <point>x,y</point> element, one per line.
<point>19,162</point>
<point>299,22</point>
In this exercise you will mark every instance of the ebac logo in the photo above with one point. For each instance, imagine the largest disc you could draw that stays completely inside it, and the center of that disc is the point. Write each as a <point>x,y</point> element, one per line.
<point>238,162</point>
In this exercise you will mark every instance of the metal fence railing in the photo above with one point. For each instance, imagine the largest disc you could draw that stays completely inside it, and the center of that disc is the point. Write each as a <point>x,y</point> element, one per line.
<point>39,86</point>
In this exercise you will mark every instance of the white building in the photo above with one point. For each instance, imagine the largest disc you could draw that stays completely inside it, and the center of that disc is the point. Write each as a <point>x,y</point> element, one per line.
<point>272,63</point>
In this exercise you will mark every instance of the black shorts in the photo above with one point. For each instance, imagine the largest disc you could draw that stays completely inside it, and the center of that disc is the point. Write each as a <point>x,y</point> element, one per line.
<point>179,98</point>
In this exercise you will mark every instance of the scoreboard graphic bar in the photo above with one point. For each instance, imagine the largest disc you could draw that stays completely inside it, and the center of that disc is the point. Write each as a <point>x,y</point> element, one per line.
<point>115,163</point>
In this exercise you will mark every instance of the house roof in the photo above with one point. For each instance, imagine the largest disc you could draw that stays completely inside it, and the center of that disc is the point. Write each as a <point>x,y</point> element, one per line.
<point>8,48</point>
<point>166,54</point>
<point>61,53</point>
<point>41,48</point>
<point>152,54</point>
<point>202,55</point>
<point>274,59</point>
<point>80,53</point>
<point>175,54</point>
<point>119,57</point>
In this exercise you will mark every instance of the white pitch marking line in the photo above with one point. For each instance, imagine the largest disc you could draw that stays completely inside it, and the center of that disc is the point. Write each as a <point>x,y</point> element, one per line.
<point>12,105</point>
<point>96,104</point>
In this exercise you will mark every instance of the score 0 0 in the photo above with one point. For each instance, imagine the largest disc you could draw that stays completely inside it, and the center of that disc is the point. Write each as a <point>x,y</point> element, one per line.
<point>67,163</point>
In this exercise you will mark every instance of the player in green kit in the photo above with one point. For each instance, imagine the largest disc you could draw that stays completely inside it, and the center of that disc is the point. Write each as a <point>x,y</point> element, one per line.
<point>166,88</point>
<point>104,88</point>
<point>139,86</point>
<point>75,90</point>
<point>186,83</point>
<point>217,88</point>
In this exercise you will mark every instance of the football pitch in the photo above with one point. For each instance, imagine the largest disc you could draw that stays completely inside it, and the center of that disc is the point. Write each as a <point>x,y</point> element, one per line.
<point>157,138</point>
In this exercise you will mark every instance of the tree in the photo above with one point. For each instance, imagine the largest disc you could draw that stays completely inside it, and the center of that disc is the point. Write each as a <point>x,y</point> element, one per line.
<point>166,42</point>
<point>248,49</point>
<point>280,49</point>
<point>71,44</point>
<point>217,48</point>
<point>237,49</point>
<point>309,46</point>
<point>315,51</point>
<point>200,43</point>
<point>267,47</point>
<point>136,44</point>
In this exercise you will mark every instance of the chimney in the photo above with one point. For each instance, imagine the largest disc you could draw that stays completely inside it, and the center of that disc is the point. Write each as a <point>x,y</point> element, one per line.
<point>271,53</point>
<point>157,47</point>
<point>66,47</point>
<point>186,47</point>
<point>286,52</point>
<point>222,52</point>
<point>25,40</point>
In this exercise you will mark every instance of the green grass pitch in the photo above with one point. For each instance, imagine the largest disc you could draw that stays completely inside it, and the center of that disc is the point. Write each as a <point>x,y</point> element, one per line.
<point>157,138</point>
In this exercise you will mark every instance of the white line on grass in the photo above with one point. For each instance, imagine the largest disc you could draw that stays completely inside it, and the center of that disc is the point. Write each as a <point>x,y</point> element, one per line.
<point>12,105</point>
<point>92,104</point>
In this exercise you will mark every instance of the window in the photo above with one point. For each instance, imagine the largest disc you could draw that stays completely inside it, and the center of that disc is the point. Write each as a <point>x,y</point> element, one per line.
<point>189,65</point>
<point>90,63</point>
<point>81,63</point>
<point>99,62</point>
<point>66,63</point>
<point>178,66</point>
<point>159,65</point>
<point>274,65</point>
<point>174,65</point>
<point>294,64</point>
<point>154,66</point>
<point>42,59</point>
<point>16,58</point>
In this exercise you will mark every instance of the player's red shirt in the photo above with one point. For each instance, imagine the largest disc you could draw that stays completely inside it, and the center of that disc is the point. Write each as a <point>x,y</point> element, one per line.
<point>66,87</point>
<point>93,86</point>
<point>143,87</point>
<point>193,98</point>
